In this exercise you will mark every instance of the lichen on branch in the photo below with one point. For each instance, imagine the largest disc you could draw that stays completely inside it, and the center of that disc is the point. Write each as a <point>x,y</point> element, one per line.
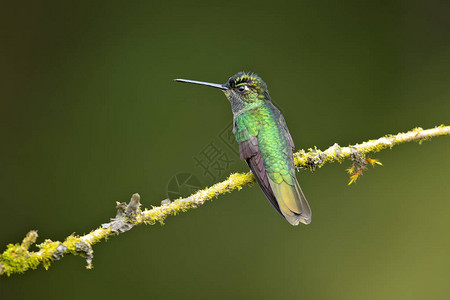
<point>17,258</point>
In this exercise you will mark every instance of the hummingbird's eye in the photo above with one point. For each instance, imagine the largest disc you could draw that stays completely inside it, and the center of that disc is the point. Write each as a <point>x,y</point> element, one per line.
<point>242,88</point>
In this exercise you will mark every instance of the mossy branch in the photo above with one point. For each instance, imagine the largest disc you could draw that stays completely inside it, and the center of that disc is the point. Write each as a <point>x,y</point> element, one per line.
<point>17,258</point>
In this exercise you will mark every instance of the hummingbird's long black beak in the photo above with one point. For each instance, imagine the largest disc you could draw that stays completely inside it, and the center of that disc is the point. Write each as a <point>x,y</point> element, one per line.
<point>214,85</point>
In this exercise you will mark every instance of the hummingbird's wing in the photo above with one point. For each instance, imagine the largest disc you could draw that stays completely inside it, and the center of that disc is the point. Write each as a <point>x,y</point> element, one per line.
<point>282,190</point>
<point>249,152</point>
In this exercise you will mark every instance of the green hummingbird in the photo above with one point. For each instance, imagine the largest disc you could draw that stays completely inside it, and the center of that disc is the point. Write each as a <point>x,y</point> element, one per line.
<point>264,143</point>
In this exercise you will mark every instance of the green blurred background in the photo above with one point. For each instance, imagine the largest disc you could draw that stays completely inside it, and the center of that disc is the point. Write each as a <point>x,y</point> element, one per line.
<point>89,114</point>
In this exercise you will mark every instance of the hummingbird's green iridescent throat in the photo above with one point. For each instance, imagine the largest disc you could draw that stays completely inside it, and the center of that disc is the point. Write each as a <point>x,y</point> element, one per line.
<point>264,143</point>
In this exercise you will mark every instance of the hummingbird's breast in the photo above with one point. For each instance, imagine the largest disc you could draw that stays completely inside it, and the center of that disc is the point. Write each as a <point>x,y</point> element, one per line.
<point>273,144</point>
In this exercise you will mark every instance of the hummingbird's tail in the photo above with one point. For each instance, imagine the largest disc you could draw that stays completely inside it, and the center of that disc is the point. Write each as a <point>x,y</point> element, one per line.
<point>291,201</point>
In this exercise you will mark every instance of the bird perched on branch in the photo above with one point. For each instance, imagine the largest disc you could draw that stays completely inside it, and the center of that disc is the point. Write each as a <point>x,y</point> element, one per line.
<point>264,143</point>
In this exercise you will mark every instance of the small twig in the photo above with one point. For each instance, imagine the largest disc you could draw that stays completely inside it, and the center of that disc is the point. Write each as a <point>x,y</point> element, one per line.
<point>17,258</point>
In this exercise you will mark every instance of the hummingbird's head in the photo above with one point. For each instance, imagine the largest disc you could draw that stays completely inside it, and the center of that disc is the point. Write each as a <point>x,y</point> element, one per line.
<point>249,88</point>
<point>243,90</point>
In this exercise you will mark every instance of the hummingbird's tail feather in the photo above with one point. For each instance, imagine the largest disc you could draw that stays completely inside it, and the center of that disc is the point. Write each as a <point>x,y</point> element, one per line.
<point>292,202</point>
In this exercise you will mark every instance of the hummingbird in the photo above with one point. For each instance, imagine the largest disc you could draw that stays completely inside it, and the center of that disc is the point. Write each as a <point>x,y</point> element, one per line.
<point>264,143</point>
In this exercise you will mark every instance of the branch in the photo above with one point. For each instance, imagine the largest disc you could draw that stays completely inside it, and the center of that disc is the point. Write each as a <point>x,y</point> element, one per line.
<point>17,258</point>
